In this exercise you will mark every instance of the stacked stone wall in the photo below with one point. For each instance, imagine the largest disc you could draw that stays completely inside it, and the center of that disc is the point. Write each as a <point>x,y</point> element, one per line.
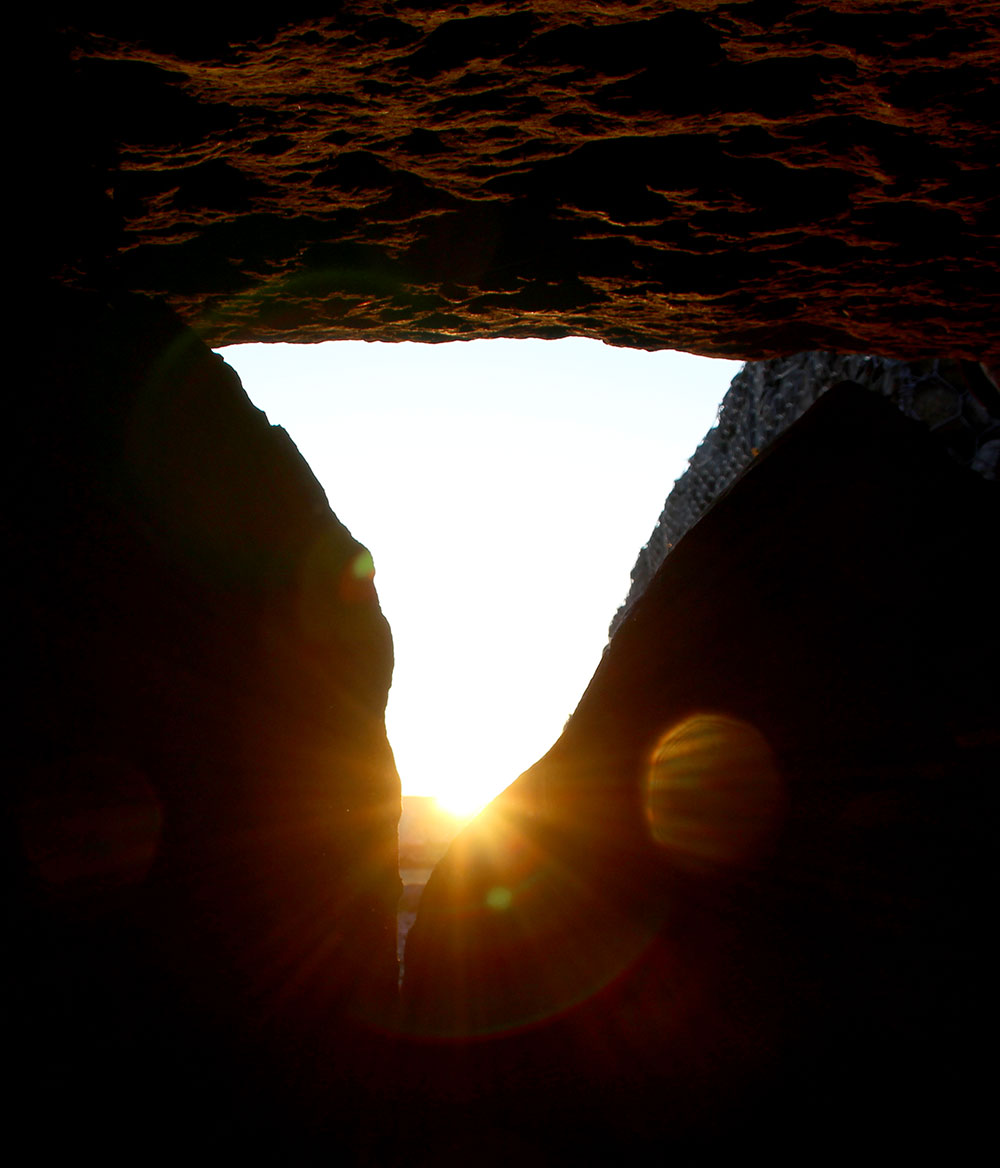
<point>957,400</point>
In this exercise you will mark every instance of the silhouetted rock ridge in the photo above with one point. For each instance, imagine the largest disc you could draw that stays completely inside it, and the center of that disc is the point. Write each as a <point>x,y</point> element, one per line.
<point>957,401</point>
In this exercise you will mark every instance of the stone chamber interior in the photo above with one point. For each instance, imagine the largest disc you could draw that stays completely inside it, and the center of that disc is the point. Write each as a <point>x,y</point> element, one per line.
<point>778,946</point>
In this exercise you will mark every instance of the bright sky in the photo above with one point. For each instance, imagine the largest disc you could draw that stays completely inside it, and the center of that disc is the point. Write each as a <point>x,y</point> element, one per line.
<point>504,489</point>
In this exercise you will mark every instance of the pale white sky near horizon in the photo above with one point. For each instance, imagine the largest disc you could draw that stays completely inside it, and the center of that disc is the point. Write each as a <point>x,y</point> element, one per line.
<point>504,489</point>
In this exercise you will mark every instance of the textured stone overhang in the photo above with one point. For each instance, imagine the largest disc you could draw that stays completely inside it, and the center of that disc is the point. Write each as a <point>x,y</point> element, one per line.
<point>732,178</point>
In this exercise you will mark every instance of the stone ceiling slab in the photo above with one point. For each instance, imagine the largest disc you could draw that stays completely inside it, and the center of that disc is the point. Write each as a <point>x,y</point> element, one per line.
<point>739,179</point>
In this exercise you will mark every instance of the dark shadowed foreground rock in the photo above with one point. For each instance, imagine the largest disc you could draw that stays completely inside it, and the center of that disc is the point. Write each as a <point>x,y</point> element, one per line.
<point>637,947</point>
<point>740,903</point>
<point>733,178</point>
<point>204,874</point>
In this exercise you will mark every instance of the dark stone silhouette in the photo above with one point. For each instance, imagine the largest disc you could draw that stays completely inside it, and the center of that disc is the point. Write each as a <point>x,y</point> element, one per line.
<point>700,940</point>
<point>203,799</point>
<point>201,803</point>
<point>957,401</point>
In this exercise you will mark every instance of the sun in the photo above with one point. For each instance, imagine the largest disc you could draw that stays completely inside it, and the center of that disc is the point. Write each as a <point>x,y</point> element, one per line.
<point>448,756</point>
<point>492,648</point>
<point>462,802</point>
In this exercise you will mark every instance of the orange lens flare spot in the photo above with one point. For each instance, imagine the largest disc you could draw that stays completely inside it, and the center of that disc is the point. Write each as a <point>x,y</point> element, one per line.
<point>713,792</point>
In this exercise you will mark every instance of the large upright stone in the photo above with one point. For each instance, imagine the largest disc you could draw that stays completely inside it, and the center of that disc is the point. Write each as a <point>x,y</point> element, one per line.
<point>740,902</point>
<point>204,798</point>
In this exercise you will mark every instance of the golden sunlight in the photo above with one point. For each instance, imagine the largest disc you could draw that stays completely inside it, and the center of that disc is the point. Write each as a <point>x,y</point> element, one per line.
<point>462,801</point>
<point>504,488</point>
<point>458,776</point>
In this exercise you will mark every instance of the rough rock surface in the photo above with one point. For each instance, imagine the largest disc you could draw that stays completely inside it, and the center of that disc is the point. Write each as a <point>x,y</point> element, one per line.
<point>204,871</point>
<point>726,177</point>
<point>201,796</point>
<point>956,401</point>
<point>739,903</point>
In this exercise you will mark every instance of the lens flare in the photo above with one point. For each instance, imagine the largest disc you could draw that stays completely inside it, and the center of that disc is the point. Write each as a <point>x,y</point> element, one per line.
<point>499,898</point>
<point>713,792</point>
<point>362,566</point>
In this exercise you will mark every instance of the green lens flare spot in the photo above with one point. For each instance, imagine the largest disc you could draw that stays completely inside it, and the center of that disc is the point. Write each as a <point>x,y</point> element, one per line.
<point>363,566</point>
<point>499,898</point>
